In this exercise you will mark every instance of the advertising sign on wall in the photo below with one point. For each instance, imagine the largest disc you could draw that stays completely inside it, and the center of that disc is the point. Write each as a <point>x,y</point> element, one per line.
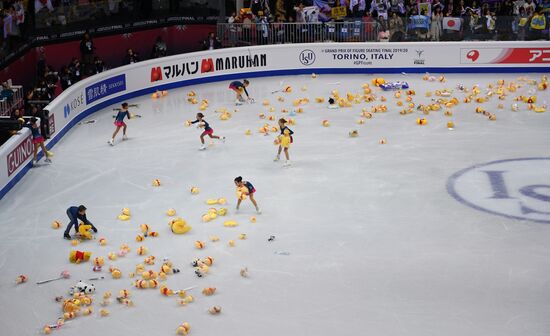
<point>105,88</point>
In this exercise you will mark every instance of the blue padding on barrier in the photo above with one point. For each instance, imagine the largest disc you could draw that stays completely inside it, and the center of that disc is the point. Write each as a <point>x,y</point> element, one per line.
<point>265,73</point>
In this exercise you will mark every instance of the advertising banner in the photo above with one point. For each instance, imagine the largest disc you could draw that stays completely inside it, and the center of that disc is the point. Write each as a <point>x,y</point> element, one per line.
<point>473,56</point>
<point>105,88</point>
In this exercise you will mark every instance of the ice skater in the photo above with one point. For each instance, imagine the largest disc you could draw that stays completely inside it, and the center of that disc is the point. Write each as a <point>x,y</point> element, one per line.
<point>119,122</point>
<point>207,130</point>
<point>285,141</point>
<point>239,88</point>
<point>245,188</point>
<point>75,213</point>
<point>37,140</point>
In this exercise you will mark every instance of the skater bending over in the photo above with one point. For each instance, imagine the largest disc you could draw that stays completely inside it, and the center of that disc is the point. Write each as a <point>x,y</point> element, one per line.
<point>245,188</point>
<point>239,88</point>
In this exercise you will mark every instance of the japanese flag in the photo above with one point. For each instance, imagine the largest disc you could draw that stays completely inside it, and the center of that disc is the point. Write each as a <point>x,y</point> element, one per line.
<point>451,23</point>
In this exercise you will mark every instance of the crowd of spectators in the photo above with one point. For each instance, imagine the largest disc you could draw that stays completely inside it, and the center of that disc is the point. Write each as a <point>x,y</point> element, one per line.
<point>399,20</point>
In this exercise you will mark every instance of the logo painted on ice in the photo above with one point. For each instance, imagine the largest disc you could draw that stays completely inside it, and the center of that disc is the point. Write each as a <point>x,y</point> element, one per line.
<point>307,57</point>
<point>515,188</point>
<point>66,110</point>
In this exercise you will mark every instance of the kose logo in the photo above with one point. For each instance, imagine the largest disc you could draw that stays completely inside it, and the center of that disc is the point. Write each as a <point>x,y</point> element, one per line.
<point>66,110</point>
<point>73,105</point>
<point>307,57</point>
<point>472,55</point>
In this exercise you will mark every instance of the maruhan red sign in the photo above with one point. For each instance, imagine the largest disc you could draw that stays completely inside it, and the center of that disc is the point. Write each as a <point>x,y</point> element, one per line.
<point>19,155</point>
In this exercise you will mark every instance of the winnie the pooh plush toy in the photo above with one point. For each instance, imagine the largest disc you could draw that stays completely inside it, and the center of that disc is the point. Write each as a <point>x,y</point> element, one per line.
<point>78,256</point>
<point>84,231</point>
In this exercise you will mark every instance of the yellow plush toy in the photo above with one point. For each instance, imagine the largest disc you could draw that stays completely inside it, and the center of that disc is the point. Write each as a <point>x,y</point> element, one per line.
<point>79,256</point>
<point>84,231</point>
<point>242,192</point>
<point>179,226</point>
<point>71,306</point>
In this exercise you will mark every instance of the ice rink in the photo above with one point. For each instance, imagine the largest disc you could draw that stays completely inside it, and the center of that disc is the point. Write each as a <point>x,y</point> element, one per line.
<point>436,232</point>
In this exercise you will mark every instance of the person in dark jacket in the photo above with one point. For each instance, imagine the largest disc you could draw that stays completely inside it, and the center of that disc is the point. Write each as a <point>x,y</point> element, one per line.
<point>131,57</point>
<point>87,50</point>
<point>75,213</point>
<point>211,43</point>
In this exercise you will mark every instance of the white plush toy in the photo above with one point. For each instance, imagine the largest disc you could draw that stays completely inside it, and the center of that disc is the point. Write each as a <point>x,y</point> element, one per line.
<point>82,287</point>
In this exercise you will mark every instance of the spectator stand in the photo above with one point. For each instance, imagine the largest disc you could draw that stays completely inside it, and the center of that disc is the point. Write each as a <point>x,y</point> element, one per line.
<point>247,29</point>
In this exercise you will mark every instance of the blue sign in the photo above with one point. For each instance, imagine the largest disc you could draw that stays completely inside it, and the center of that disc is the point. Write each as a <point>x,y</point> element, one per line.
<point>105,88</point>
<point>66,111</point>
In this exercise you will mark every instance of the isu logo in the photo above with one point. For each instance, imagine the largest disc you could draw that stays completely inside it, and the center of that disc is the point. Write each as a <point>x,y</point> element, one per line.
<point>472,55</point>
<point>513,188</point>
<point>307,57</point>
<point>156,74</point>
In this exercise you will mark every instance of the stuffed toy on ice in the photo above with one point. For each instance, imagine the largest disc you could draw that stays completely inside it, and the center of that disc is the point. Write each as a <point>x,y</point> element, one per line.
<point>82,287</point>
<point>84,231</point>
<point>179,226</point>
<point>79,256</point>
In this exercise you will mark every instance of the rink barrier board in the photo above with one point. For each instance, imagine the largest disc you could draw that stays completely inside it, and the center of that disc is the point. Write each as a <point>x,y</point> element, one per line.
<point>255,74</point>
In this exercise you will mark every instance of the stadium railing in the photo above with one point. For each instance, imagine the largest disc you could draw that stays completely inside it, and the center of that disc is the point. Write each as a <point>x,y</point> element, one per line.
<point>244,34</point>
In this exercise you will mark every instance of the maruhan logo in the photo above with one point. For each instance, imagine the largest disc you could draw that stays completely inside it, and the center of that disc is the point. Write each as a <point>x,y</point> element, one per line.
<point>515,188</point>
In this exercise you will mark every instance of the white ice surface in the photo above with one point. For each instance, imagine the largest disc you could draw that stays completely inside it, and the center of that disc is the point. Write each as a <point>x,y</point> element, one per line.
<point>377,245</point>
